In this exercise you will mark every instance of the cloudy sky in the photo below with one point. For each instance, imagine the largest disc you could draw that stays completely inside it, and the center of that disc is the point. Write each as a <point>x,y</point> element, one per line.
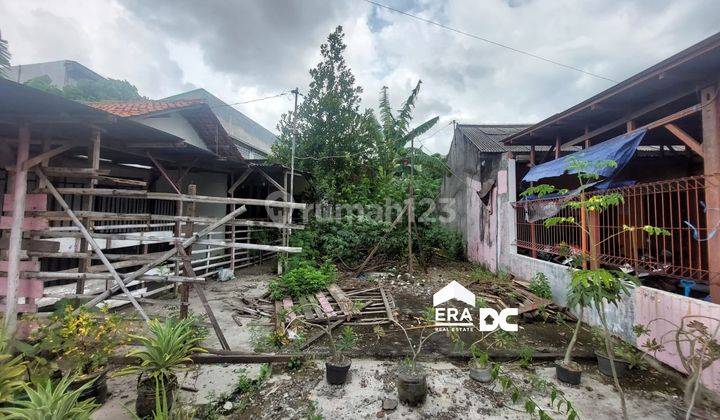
<point>246,49</point>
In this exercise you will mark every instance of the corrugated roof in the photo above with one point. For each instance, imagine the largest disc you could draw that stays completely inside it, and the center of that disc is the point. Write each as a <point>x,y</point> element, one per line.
<point>488,138</point>
<point>136,108</point>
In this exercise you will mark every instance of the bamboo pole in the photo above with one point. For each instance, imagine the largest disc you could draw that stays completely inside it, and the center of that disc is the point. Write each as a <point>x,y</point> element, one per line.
<point>91,241</point>
<point>19,191</point>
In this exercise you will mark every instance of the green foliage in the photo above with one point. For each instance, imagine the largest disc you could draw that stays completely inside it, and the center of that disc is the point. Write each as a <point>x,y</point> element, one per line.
<point>80,340</point>
<point>541,190</point>
<point>166,350</point>
<point>89,90</point>
<point>312,413</point>
<point>557,220</point>
<point>12,371</point>
<point>303,277</point>
<point>526,355</point>
<point>540,286</point>
<point>295,363</point>
<point>599,286</point>
<point>245,384</point>
<point>51,401</point>
<point>347,339</point>
<point>558,401</point>
<point>480,356</point>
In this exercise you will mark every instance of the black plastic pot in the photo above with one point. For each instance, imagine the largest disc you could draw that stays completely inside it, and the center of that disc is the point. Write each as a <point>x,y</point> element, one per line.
<point>567,374</point>
<point>97,391</point>
<point>411,386</point>
<point>145,402</point>
<point>621,366</point>
<point>336,373</point>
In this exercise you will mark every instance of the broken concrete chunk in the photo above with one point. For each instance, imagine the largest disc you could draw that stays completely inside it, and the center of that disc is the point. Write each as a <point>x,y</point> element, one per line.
<point>389,404</point>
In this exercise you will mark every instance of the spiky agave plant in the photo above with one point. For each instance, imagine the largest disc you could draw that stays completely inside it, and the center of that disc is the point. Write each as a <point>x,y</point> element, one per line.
<point>166,350</point>
<point>51,401</point>
<point>12,370</point>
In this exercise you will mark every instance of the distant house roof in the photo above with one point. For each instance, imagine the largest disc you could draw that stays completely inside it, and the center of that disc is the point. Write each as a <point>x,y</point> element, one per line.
<point>488,137</point>
<point>238,125</point>
<point>196,112</point>
<point>136,108</point>
<point>61,73</point>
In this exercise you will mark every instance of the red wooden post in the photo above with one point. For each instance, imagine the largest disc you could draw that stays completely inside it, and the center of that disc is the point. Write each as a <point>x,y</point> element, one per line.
<point>16,231</point>
<point>711,151</point>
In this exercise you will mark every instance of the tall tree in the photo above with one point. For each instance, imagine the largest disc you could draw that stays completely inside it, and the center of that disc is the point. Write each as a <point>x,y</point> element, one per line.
<point>4,57</point>
<point>334,140</point>
<point>392,148</point>
<point>89,90</point>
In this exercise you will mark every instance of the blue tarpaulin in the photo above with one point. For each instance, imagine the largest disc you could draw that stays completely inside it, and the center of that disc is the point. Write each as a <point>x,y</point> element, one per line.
<point>619,149</point>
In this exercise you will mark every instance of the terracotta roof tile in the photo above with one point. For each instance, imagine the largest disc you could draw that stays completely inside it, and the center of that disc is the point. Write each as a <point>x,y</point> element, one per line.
<point>135,108</point>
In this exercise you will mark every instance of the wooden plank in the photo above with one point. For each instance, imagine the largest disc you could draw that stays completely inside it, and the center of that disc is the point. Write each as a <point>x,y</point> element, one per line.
<point>288,305</point>
<point>28,288</point>
<point>319,314</point>
<point>201,294</point>
<point>43,156</point>
<point>325,304</point>
<point>24,266</point>
<point>33,202</point>
<point>386,302</point>
<point>28,223</point>
<point>346,305</point>
<point>306,308</point>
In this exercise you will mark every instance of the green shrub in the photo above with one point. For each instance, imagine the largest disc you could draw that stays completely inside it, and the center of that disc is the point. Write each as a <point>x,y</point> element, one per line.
<point>302,278</point>
<point>540,286</point>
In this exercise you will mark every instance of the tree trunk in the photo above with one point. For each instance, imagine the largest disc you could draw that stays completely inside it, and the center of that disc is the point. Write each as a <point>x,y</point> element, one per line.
<point>609,350</point>
<point>568,352</point>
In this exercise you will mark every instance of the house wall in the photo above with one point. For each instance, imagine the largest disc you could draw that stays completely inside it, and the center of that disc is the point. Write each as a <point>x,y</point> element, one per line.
<point>640,307</point>
<point>475,219</point>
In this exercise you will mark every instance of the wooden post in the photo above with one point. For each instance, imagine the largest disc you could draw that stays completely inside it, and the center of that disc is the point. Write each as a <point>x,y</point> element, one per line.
<point>88,201</point>
<point>587,141</point>
<point>558,145</point>
<point>16,232</point>
<point>532,156</point>
<point>711,169</point>
<point>232,227</point>
<point>184,288</point>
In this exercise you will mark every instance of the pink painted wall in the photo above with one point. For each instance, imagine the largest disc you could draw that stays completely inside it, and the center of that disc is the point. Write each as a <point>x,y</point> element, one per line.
<point>652,304</point>
<point>481,250</point>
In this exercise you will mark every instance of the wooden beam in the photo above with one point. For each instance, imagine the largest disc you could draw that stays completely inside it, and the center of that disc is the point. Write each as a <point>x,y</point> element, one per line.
<point>686,138</point>
<point>44,156</point>
<point>240,180</point>
<point>91,241</point>
<point>623,120</point>
<point>108,192</point>
<point>271,180</point>
<point>558,146</point>
<point>168,254</point>
<point>94,160</point>
<point>164,174</point>
<point>16,231</point>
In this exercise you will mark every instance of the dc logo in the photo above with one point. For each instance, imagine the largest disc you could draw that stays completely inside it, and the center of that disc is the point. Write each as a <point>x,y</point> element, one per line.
<point>498,320</point>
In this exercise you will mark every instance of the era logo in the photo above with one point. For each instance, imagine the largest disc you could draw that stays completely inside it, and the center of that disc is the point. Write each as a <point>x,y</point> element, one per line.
<point>500,320</point>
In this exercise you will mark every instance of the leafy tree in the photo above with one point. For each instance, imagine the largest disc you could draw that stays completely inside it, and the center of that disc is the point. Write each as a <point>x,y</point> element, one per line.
<point>4,57</point>
<point>334,139</point>
<point>89,90</point>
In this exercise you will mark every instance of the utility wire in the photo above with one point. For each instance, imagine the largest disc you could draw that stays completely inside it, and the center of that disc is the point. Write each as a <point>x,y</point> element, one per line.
<point>497,44</point>
<point>251,100</point>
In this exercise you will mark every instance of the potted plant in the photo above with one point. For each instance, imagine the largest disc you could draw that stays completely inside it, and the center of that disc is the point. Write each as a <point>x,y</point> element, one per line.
<point>567,370</point>
<point>480,368</point>
<point>79,343</point>
<point>338,364</point>
<point>622,366</point>
<point>52,400</point>
<point>165,351</point>
<point>411,380</point>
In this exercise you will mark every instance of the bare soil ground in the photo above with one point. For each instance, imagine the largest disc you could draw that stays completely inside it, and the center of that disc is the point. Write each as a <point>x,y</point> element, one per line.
<point>302,392</point>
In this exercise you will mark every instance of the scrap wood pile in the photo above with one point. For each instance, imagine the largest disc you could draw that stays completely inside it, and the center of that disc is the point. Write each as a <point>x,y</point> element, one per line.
<point>351,306</point>
<point>517,294</point>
